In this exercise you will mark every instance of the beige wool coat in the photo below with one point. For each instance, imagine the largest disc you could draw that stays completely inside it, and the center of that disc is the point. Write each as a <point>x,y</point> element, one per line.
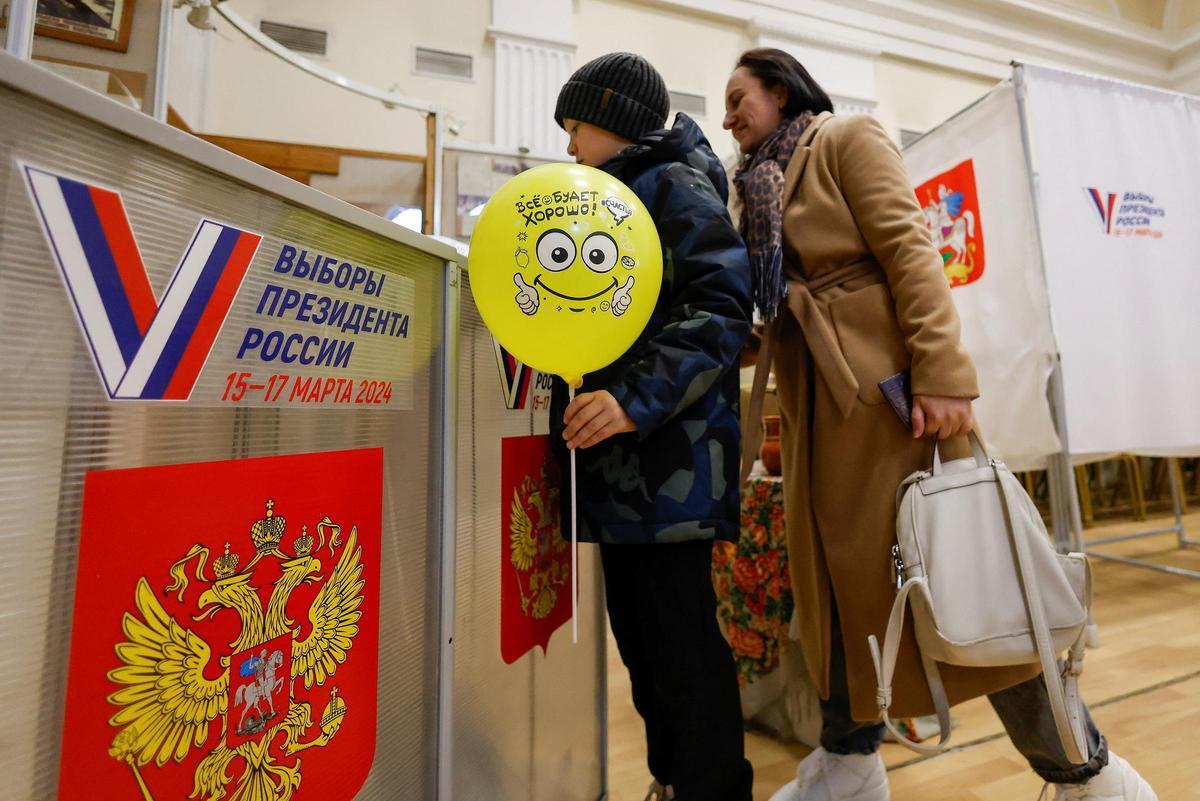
<point>867,298</point>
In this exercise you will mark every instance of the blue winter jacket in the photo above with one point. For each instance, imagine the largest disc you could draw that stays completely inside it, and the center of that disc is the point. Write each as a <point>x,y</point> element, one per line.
<point>676,478</point>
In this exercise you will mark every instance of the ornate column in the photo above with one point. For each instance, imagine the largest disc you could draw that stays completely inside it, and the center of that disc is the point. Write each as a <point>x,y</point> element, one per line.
<point>535,54</point>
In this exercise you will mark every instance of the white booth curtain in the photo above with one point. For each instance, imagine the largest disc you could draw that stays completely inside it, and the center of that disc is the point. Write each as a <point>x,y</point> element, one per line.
<point>1117,168</point>
<point>1115,287</point>
<point>1003,306</point>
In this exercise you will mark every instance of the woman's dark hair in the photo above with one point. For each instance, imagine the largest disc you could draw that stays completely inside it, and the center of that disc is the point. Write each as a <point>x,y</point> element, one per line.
<point>778,68</point>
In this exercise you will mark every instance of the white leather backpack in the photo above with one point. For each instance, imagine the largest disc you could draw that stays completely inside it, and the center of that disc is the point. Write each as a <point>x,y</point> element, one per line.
<point>986,588</point>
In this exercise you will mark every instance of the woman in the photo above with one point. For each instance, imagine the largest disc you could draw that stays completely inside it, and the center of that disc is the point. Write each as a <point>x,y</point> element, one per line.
<point>853,292</point>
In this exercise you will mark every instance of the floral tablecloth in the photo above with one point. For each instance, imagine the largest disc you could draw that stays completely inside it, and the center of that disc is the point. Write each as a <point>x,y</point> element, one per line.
<point>754,607</point>
<point>754,595</point>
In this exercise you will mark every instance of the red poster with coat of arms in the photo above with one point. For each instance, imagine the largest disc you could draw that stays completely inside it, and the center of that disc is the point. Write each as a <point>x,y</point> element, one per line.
<point>535,560</point>
<point>951,207</point>
<point>225,642</point>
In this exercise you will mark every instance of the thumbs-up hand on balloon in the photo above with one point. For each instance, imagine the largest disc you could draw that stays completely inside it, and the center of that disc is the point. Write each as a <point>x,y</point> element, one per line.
<point>621,298</point>
<point>527,298</point>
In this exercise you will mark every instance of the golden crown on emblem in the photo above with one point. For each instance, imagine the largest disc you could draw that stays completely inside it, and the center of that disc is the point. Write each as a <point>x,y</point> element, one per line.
<point>303,544</point>
<point>226,564</point>
<point>267,533</point>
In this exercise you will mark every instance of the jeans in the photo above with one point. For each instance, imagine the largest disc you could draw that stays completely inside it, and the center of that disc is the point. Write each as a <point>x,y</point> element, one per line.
<point>1023,709</point>
<point>663,613</point>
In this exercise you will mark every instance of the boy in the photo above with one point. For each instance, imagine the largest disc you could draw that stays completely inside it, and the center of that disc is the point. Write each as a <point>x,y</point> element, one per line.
<point>658,432</point>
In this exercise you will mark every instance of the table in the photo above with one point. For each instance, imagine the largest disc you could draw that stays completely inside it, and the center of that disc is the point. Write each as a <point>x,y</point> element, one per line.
<point>754,594</point>
<point>755,607</point>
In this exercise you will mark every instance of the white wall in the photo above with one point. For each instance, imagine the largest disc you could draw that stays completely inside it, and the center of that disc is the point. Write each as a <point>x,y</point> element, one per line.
<point>534,55</point>
<point>537,19</point>
<point>694,44</point>
<point>917,97</point>
<point>693,53</point>
<point>253,94</point>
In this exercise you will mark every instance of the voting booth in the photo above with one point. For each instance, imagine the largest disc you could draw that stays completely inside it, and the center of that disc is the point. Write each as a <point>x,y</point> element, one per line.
<point>250,453</point>
<point>1063,209</point>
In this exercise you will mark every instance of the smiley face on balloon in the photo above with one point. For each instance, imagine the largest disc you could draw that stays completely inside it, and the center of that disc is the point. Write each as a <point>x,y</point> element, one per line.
<point>574,242</point>
<point>572,270</point>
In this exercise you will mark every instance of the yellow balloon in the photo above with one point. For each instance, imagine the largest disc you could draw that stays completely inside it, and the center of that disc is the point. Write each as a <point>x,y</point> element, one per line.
<point>565,268</point>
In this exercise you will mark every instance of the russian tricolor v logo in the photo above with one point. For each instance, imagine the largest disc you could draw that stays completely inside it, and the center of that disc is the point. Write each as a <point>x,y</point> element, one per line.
<point>144,349</point>
<point>514,377</point>
<point>1103,203</point>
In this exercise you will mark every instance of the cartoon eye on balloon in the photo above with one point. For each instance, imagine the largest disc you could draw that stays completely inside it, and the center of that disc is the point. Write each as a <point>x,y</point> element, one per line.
<point>600,252</point>
<point>556,250</point>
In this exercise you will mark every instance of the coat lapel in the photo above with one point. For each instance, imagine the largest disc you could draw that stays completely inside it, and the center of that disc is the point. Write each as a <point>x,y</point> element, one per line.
<point>795,168</point>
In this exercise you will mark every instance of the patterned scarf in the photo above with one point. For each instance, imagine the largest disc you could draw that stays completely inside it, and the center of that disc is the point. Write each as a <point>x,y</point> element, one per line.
<point>760,183</point>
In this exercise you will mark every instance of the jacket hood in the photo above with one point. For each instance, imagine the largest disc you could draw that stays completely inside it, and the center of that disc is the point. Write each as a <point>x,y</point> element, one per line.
<point>683,142</point>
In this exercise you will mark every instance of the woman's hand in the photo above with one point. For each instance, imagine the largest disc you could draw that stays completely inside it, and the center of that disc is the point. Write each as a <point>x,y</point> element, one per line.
<point>934,416</point>
<point>594,417</point>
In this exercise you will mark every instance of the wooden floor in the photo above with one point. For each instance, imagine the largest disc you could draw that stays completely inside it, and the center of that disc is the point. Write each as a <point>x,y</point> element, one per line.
<point>1142,684</point>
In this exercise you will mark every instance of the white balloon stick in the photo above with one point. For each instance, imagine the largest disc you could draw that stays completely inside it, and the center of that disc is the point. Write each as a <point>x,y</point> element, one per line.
<point>574,545</point>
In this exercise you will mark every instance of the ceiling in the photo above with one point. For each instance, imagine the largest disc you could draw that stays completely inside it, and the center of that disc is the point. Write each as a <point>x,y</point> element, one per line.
<point>1168,16</point>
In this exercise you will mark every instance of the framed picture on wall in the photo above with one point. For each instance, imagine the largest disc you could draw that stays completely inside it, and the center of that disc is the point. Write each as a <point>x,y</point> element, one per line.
<point>99,23</point>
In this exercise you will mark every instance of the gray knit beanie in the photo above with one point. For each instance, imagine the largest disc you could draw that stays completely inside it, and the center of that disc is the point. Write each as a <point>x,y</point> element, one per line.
<point>619,92</point>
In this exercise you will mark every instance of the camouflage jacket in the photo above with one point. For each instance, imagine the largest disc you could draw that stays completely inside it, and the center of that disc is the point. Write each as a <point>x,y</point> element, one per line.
<point>676,478</point>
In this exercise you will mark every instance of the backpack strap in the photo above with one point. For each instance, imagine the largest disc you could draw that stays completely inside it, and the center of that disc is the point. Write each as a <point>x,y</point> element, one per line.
<point>885,667</point>
<point>1061,687</point>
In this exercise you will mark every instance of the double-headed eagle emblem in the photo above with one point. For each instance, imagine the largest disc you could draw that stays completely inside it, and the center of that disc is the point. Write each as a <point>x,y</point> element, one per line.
<point>536,548</point>
<point>173,689</point>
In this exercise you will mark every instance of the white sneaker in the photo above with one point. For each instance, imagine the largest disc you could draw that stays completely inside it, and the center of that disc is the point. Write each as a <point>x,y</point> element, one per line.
<point>1118,781</point>
<point>823,776</point>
